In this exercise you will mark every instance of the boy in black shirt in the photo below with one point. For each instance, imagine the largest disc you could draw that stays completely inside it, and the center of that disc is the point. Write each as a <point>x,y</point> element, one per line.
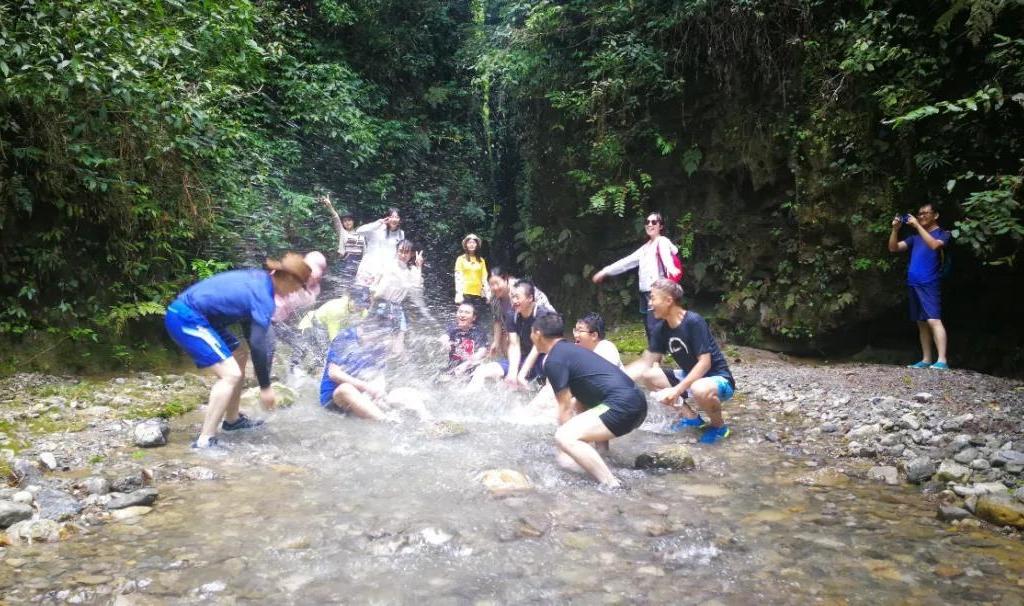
<point>596,400</point>
<point>704,373</point>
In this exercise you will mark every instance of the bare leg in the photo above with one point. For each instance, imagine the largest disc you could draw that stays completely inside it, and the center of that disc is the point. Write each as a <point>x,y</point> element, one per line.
<point>229,379</point>
<point>925,336</point>
<point>572,438</point>
<point>241,356</point>
<point>350,399</point>
<point>705,395</point>
<point>939,333</point>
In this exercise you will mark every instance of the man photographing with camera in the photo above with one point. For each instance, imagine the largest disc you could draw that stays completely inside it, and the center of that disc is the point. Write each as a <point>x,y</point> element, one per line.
<point>924,278</point>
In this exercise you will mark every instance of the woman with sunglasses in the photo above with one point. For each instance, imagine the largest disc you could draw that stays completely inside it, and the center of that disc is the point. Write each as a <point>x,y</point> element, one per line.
<point>654,260</point>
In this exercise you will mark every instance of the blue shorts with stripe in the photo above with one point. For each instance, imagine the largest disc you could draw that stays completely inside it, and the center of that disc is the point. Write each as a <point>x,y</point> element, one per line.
<point>204,343</point>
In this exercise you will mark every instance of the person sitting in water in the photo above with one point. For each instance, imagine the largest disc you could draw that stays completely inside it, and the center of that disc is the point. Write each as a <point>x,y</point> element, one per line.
<point>353,380</point>
<point>465,341</point>
<point>500,285</point>
<point>704,373</point>
<point>597,401</point>
<point>522,365</point>
<point>198,319</point>
<point>589,334</point>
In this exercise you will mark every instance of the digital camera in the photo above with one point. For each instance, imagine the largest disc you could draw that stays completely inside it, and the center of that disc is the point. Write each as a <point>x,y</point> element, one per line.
<point>904,219</point>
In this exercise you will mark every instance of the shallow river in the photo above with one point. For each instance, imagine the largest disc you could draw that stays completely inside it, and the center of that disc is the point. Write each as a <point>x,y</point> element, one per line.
<point>319,508</point>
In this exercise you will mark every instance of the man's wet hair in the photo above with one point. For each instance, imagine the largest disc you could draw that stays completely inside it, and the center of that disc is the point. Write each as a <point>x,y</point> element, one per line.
<point>594,322</point>
<point>550,326</point>
<point>528,288</point>
<point>670,288</point>
<point>500,272</point>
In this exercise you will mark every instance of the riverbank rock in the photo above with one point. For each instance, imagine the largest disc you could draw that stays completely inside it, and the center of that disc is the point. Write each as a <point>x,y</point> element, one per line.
<point>38,531</point>
<point>919,470</point>
<point>12,513</point>
<point>672,456</point>
<point>502,482</point>
<point>48,460</point>
<point>951,471</point>
<point>286,396</point>
<point>1001,509</point>
<point>143,496</point>
<point>151,433</point>
<point>96,485</point>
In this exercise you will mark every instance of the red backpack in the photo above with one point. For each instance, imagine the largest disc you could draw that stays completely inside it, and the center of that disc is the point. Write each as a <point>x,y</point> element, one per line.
<point>675,261</point>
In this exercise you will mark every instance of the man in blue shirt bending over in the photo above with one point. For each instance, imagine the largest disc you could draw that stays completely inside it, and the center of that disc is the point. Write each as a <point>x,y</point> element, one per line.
<point>924,277</point>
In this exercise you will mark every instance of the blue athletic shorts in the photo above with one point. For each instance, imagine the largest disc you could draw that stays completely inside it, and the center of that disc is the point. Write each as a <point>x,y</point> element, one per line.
<point>725,389</point>
<point>205,344</point>
<point>534,372</point>
<point>925,302</point>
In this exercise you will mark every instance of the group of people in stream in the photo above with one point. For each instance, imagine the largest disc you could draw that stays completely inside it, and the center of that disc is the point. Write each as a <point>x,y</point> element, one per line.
<point>580,383</point>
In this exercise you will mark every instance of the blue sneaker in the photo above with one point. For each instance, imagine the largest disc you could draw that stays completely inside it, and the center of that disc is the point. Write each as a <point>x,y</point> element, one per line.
<point>939,366</point>
<point>242,422</point>
<point>684,423</point>
<point>712,435</point>
<point>921,364</point>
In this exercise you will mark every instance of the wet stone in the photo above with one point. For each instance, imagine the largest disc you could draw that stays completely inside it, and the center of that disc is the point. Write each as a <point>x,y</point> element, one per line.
<point>130,512</point>
<point>675,457</point>
<point>143,496</point>
<point>887,474</point>
<point>36,531</point>
<point>1001,509</point>
<point>199,473</point>
<point>12,513</point>
<point>126,483</point>
<point>949,513</point>
<point>501,482</point>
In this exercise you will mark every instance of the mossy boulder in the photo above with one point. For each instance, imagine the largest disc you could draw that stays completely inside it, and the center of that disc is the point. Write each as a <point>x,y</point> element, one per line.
<point>675,457</point>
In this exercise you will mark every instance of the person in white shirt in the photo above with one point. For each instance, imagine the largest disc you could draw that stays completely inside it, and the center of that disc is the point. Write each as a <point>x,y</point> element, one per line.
<point>589,334</point>
<point>654,260</point>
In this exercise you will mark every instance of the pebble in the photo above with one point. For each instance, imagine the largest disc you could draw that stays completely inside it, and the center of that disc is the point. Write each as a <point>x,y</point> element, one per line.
<point>96,485</point>
<point>199,473</point>
<point>502,482</point>
<point>130,512</point>
<point>48,460</point>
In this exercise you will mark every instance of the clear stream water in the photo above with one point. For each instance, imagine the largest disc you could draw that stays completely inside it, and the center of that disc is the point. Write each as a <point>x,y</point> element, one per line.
<point>320,508</point>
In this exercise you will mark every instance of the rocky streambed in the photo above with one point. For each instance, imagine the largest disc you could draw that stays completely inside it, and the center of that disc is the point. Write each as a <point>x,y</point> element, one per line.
<point>911,477</point>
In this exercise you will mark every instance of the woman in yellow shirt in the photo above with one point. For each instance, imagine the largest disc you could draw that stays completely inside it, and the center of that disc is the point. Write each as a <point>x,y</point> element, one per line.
<point>471,275</point>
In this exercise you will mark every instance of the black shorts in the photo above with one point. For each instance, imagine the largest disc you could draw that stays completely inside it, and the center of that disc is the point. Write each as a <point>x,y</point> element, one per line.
<point>623,415</point>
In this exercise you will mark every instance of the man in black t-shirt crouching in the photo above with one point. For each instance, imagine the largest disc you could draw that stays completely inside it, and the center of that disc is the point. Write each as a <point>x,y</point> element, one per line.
<point>703,372</point>
<point>596,400</point>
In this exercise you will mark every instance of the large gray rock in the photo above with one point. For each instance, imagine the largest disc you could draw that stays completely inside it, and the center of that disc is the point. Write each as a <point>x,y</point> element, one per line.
<point>56,504</point>
<point>1006,457</point>
<point>151,432</point>
<point>1001,509</point>
<point>919,470</point>
<point>12,513</point>
<point>966,455</point>
<point>26,471</point>
<point>141,497</point>
<point>864,431</point>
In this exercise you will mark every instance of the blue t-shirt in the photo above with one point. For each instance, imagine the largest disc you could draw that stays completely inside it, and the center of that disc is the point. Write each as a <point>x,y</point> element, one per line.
<point>925,263</point>
<point>687,342</point>
<point>359,359</point>
<point>241,295</point>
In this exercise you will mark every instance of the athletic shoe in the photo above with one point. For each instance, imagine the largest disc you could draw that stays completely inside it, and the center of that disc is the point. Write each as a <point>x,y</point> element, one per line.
<point>712,435</point>
<point>212,444</point>
<point>939,366</point>
<point>921,364</point>
<point>684,423</point>
<point>242,422</point>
